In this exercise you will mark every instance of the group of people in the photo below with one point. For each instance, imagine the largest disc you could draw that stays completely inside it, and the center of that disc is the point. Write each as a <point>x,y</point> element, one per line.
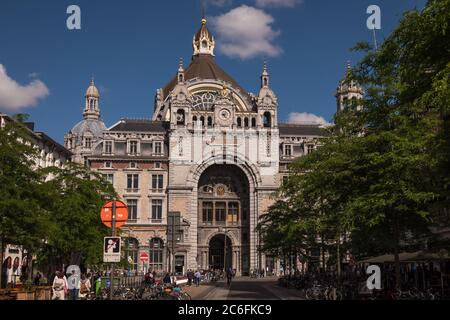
<point>75,286</point>
<point>195,277</point>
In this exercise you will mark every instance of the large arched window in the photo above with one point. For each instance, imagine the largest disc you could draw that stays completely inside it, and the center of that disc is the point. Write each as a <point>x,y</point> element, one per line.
<point>156,254</point>
<point>239,122</point>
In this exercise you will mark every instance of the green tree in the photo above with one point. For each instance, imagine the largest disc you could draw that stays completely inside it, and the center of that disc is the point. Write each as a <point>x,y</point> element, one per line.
<point>76,237</point>
<point>23,219</point>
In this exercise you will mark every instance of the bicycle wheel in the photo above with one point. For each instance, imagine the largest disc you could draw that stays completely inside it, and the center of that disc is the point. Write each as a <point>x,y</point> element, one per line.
<point>186,296</point>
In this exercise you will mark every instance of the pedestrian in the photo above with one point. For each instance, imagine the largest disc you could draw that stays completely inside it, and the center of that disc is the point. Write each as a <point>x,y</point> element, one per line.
<point>197,276</point>
<point>190,276</point>
<point>37,279</point>
<point>98,284</point>
<point>229,275</point>
<point>59,287</point>
<point>167,279</point>
<point>73,285</point>
<point>85,287</point>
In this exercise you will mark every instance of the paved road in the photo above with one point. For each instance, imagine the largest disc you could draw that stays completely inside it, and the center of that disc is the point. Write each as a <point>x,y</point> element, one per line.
<point>245,288</point>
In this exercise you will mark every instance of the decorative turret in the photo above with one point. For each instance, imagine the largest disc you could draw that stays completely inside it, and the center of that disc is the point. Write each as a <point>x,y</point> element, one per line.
<point>349,92</point>
<point>92,98</point>
<point>267,102</point>
<point>203,42</point>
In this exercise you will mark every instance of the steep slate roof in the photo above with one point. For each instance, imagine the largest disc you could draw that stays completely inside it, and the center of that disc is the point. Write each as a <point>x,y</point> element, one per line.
<point>140,126</point>
<point>203,66</point>
<point>301,130</point>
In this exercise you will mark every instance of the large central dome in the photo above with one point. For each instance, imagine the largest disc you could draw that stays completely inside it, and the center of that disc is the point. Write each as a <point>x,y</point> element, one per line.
<point>203,67</point>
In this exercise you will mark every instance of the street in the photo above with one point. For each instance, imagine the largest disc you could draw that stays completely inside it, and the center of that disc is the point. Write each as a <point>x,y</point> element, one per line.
<point>244,288</point>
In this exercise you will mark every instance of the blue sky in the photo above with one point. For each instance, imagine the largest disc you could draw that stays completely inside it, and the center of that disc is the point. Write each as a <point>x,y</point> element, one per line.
<point>132,48</point>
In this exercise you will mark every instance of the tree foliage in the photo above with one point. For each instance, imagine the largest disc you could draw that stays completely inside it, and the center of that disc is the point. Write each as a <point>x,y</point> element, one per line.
<point>382,174</point>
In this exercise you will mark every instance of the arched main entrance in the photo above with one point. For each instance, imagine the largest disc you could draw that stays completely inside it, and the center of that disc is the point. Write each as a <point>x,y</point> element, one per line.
<point>219,252</point>
<point>223,212</point>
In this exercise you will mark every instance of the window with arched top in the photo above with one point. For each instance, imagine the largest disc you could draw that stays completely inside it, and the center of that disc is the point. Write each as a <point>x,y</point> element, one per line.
<point>246,122</point>
<point>253,122</point>
<point>267,120</point>
<point>194,119</point>
<point>239,122</point>
<point>210,122</point>
<point>202,119</point>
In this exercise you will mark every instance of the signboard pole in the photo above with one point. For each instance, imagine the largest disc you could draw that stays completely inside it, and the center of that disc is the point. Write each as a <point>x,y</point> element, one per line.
<point>113,225</point>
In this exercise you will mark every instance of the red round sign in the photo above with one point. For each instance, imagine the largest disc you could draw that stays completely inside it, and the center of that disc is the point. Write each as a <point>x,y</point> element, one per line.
<point>143,256</point>
<point>121,214</point>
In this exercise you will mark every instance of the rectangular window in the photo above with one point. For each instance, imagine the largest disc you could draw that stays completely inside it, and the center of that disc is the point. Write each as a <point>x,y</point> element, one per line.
<point>109,177</point>
<point>220,212</point>
<point>207,216</point>
<point>88,143</point>
<point>132,209</point>
<point>157,182</point>
<point>156,210</point>
<point>133,147</point>
<point>132,182</point>
<point>108,164</point>
<point>310,148</point>
<point>158,148</point>
<point>288,150</point>
<point>108,147</point>
<point>233,212</point>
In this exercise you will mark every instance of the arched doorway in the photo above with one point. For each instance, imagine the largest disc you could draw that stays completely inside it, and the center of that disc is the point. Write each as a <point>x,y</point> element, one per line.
<point>223,211</point>
<point>219,252</point>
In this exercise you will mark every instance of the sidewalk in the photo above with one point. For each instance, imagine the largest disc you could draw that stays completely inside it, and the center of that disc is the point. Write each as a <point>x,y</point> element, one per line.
<point>199,292</point>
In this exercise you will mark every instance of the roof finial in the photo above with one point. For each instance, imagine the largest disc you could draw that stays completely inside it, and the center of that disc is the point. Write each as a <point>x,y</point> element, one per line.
<point>348,69</point>
<point>92,80</point>
<point>203,12</point>
<point>181,65</point>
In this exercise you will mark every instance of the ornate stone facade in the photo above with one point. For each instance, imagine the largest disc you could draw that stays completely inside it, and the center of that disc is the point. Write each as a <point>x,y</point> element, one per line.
<point>212,153</point>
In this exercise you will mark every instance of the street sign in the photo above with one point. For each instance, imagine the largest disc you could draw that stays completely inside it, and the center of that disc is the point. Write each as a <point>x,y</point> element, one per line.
<point>111,249</point>
<point>143,257</point>
<point>121,214</point>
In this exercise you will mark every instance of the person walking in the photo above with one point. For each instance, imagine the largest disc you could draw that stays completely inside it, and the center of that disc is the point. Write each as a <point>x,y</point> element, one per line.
<point>229,275</point>
<point>85,287</point>
<point>198,277</point>
<point>59,287</point>
<point>167,279</point>
<point>190,276</point>
<point>74,285</point>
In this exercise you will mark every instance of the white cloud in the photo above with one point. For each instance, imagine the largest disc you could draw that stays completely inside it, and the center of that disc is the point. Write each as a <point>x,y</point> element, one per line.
<point>277,3</point>
<point>307,118</point>
<point>14,96</point>
<point>246,32</point>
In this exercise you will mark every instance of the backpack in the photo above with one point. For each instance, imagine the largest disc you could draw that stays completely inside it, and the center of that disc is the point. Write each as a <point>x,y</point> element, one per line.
<point>83,287</point>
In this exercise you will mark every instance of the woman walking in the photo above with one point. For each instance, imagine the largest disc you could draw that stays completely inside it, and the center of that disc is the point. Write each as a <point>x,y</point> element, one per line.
<point>59,287</point>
